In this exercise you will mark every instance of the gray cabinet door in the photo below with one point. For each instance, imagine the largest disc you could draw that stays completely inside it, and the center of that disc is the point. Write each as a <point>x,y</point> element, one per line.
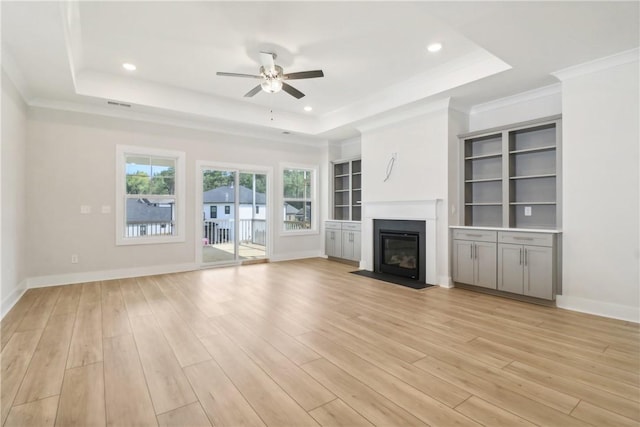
<point>510,268</point>
<point>351,245</point>
<point>333,243</point>
<point>538,272</point>
<point>485,264</point>
<point>463,263</point>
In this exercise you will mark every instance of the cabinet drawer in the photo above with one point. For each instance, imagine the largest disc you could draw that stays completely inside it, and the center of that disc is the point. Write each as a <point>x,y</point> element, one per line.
<point>534,239</point>
<point>476,235</point>
<point>351,226</point>
<point>333,225</point>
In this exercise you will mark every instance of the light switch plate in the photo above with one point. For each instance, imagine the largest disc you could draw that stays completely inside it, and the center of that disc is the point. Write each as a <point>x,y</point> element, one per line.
<point>527,211</point>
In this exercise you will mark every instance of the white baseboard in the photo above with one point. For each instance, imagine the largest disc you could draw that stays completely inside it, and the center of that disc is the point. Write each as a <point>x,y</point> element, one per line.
<point>296,255</point>
<point>93,276</point>
<point>10,300</point>
<point>599,308</point>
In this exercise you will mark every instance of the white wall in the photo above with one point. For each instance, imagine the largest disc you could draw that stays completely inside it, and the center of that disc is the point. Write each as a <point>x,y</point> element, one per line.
<point>14,208</point>
<point>72,163</point>
<point>601,272</point>
<point>420,171</point>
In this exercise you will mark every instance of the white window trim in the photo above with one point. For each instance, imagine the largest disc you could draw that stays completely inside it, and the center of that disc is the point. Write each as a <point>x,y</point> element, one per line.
<point>121,152</point>
<point>314,200</point>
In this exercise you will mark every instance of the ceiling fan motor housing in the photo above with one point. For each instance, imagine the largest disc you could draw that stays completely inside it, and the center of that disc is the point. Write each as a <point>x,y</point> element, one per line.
<point>272,82</point>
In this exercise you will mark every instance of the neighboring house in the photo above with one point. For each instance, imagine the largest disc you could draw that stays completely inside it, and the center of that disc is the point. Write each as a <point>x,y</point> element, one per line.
<point>149,219</point>
<point>218,213</point>
<point>290,212</point>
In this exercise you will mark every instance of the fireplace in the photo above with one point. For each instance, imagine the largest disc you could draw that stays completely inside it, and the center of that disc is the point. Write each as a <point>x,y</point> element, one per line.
<point>399,248</point>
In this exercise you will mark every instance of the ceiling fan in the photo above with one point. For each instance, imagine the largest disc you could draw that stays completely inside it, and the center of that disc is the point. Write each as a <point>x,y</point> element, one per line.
<point>273,78</point>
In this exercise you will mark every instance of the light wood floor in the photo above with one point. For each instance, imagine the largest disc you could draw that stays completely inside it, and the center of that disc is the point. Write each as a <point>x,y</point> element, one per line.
<point>306,343</point>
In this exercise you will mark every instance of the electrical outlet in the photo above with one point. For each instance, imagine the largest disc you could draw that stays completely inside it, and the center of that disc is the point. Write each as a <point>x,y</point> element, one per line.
<point>74,259</point>
<point>527,211</point>
<point>85,209</point>
<point>106,209</point>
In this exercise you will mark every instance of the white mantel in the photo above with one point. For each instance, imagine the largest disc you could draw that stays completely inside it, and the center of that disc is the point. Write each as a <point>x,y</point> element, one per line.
<point>416,210</point>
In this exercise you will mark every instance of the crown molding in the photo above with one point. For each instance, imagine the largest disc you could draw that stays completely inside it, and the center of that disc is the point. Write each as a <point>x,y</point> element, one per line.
<point>621,58</point>
<point>554,89</point>
<point>14,73</point>
<point>118,113</point>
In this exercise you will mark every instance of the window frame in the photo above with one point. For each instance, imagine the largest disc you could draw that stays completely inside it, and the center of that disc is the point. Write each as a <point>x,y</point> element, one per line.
<point>124,151</point>
<point>314,200</point>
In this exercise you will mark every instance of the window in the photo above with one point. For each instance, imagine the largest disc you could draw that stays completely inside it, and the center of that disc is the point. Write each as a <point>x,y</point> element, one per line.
<point>299,205</point>
<point>227,210</point>
<point>257,209</point>
<point>149,193</point>
<point>213,211</point>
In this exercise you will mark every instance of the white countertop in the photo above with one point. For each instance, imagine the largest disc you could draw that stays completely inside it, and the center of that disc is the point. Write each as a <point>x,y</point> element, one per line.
<point>525,230</point>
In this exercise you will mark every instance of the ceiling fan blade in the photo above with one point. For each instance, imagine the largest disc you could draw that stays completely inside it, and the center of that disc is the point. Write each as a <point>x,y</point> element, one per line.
<point>267,60</point>
<point>303,75</point>
<point>249,76</point>
<point>292,90</point>
<point>253,91</point>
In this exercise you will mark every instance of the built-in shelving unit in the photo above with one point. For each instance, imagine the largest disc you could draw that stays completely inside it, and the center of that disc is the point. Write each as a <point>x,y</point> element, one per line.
<point>347,190</point>
<point>511,176</point>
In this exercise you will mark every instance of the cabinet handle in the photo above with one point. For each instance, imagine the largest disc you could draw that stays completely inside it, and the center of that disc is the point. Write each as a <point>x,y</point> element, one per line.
<point>526,261</point>
<point>475,250</point>
<point>520,256</point>
<point>471,251</point>
<point>473,235</point>
<point>523,238</point>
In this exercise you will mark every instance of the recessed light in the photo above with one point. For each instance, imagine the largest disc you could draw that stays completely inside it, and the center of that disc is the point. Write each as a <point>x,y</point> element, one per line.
<point>434,47</point>
<point>308,108</point>
<point>129,67</point>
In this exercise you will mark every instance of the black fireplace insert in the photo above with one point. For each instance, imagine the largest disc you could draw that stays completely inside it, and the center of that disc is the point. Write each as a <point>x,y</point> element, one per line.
<point>399,248</point>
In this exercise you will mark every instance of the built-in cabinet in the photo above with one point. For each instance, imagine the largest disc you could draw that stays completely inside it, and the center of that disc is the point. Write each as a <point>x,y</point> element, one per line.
<point>347,190</point>
<point>517,262</point>
<point>474,258</point>
<point>511,176</point>
<point>343,240</point>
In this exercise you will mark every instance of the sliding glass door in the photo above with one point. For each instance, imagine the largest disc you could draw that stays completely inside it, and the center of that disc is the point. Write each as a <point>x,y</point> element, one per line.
<point>234,215</point>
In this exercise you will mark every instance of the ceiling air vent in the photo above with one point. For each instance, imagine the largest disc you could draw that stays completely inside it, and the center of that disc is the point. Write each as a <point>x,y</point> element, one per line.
<point>120,104</point>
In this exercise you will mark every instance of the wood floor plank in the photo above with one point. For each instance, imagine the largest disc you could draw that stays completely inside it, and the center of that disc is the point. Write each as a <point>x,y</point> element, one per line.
<point>440,390</point>
<point>421,405</point>
<point>156,299</point>
<point>297,383</point>
<point>490,415</point>
<point>338,414</point>
<point>612,402</point>
<point>86,341</point>
<point>373,406</point>
<point>127,400</point>
<point>115,320</point>
<point>13,318</point>
<point>186,346</point>
<point>271,403</point>
<point>91,294</point>
<point>188,416</point>
<point>14,361</point>
<point>68,299</point>
<point>221,400</point>
<point>46,370</point>
<point>40,413</point>
<point>167,383</point>
<point>38,314</point>
<point>601,417</point>
<point>82,399</point>
<point>133,298</point>
<point>506,399</point>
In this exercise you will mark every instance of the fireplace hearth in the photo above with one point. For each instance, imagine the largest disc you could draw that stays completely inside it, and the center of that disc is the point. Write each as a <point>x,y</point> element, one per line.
<point>399,248</point>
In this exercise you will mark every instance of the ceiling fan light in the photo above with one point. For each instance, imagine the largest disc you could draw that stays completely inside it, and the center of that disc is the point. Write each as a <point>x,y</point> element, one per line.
<point>271,85</point>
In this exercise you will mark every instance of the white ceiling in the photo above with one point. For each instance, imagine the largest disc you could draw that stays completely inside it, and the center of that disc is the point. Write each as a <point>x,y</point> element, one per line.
<point>373,55</point>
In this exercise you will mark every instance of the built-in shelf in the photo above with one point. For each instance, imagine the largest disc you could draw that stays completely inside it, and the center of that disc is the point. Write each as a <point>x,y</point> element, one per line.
<point>347,195</point>
<point>484,156</point>
<point>503,168</point>
<point>544,175</point>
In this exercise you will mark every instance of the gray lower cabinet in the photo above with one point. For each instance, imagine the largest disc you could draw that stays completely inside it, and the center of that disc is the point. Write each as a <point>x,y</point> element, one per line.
<point>474,261</point>
<point>343,240</point>
<point>527,264</point>
<point>523,263</point>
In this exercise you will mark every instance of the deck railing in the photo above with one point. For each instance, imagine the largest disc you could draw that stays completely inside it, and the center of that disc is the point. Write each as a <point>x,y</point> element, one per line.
<point>218,231</point>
